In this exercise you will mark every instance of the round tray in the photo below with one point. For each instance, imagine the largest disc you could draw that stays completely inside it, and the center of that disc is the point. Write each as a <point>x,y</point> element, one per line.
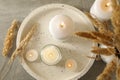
<point>75,47</point>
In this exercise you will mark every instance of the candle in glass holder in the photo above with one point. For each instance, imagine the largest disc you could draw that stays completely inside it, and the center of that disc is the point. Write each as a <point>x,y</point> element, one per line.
<point>50,55</point>
<point>102,9</point>
<point>71,65</point>
<point>32,55</point>
<point>61,27</point>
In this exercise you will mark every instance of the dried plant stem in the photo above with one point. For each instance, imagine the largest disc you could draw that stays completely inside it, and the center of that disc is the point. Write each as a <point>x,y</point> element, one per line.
<point>102,36</point>
<point>103,51</point>
<point>117,41</point>
<point>115,19</point>
<point>20,49</point>
<point>98,24</point>
<point>114,3</point>
<point>96,38</point>
<point>97,58</point>
<point>86,35</point>
<point>104,42</point>
<point>109,69</point>
<point>10,38</point>
<point>118,70</point>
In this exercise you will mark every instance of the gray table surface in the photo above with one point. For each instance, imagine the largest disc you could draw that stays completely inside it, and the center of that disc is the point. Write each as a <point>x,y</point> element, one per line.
<point>19,9</point>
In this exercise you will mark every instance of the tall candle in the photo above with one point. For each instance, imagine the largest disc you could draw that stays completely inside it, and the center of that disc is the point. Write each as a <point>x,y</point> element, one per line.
<point>61,27</point>
<point>31,55</point>
<point>51,55</point>
<point>102,9</point>
<point>105,58</point>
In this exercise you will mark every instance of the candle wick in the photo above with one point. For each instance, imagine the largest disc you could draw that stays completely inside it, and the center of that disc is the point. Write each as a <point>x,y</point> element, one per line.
<point>107,5</point>
<point>51,55</point>
<point>30,55</point>
<point>69,65</point>
<point>62,25</point>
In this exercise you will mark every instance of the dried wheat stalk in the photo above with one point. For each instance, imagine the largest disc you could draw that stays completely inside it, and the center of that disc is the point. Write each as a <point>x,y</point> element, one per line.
<point>104,42</point>
<point>104,36</point>
<point>87,35</point>
<point>115,19</point>
<point>101,26</point>
<point>95,38</point>
<point>21,48</point>
<point>118,70</point>
<point>115,22</point>
<point>103,51</point>
<point>10,38</point>
<point>107,72</point>
<point>117,41</point>
<point>114,3</point>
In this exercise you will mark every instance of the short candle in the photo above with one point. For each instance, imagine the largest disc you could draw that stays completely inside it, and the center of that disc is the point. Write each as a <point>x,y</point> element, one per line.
<point>61,26</point>
<point>31,55</point>
<point>71,65</point>
<point>50,55</point>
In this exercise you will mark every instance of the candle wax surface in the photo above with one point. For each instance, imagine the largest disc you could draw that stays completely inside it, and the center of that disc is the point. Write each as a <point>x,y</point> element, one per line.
<point>50,55</point>
<point>31,55</point>
<point>71,65</point>
<point>61,26</point>
<point>106,5</point>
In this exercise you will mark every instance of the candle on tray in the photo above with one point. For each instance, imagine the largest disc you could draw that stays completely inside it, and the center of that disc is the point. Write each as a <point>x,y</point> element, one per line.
<point>31,55</point>
<point>102,9</point>
<point>71,65</point>
<point>51,55</point>
<point>61,27</point>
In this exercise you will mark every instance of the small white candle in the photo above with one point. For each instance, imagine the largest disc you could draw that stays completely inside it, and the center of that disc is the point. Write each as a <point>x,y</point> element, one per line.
<point>102,9</point>
<point>61,27</point>
<point>71,65</point>
<point>50,55</point>
<point>31,55</point>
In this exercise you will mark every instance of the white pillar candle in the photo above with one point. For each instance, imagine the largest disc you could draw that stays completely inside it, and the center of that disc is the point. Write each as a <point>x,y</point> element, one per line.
<point>105,58</point>
<point>31,55</point>
<point>102,9</point>
<point>61,27</point>
<point>51,55</point>
<point>71,65</point>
